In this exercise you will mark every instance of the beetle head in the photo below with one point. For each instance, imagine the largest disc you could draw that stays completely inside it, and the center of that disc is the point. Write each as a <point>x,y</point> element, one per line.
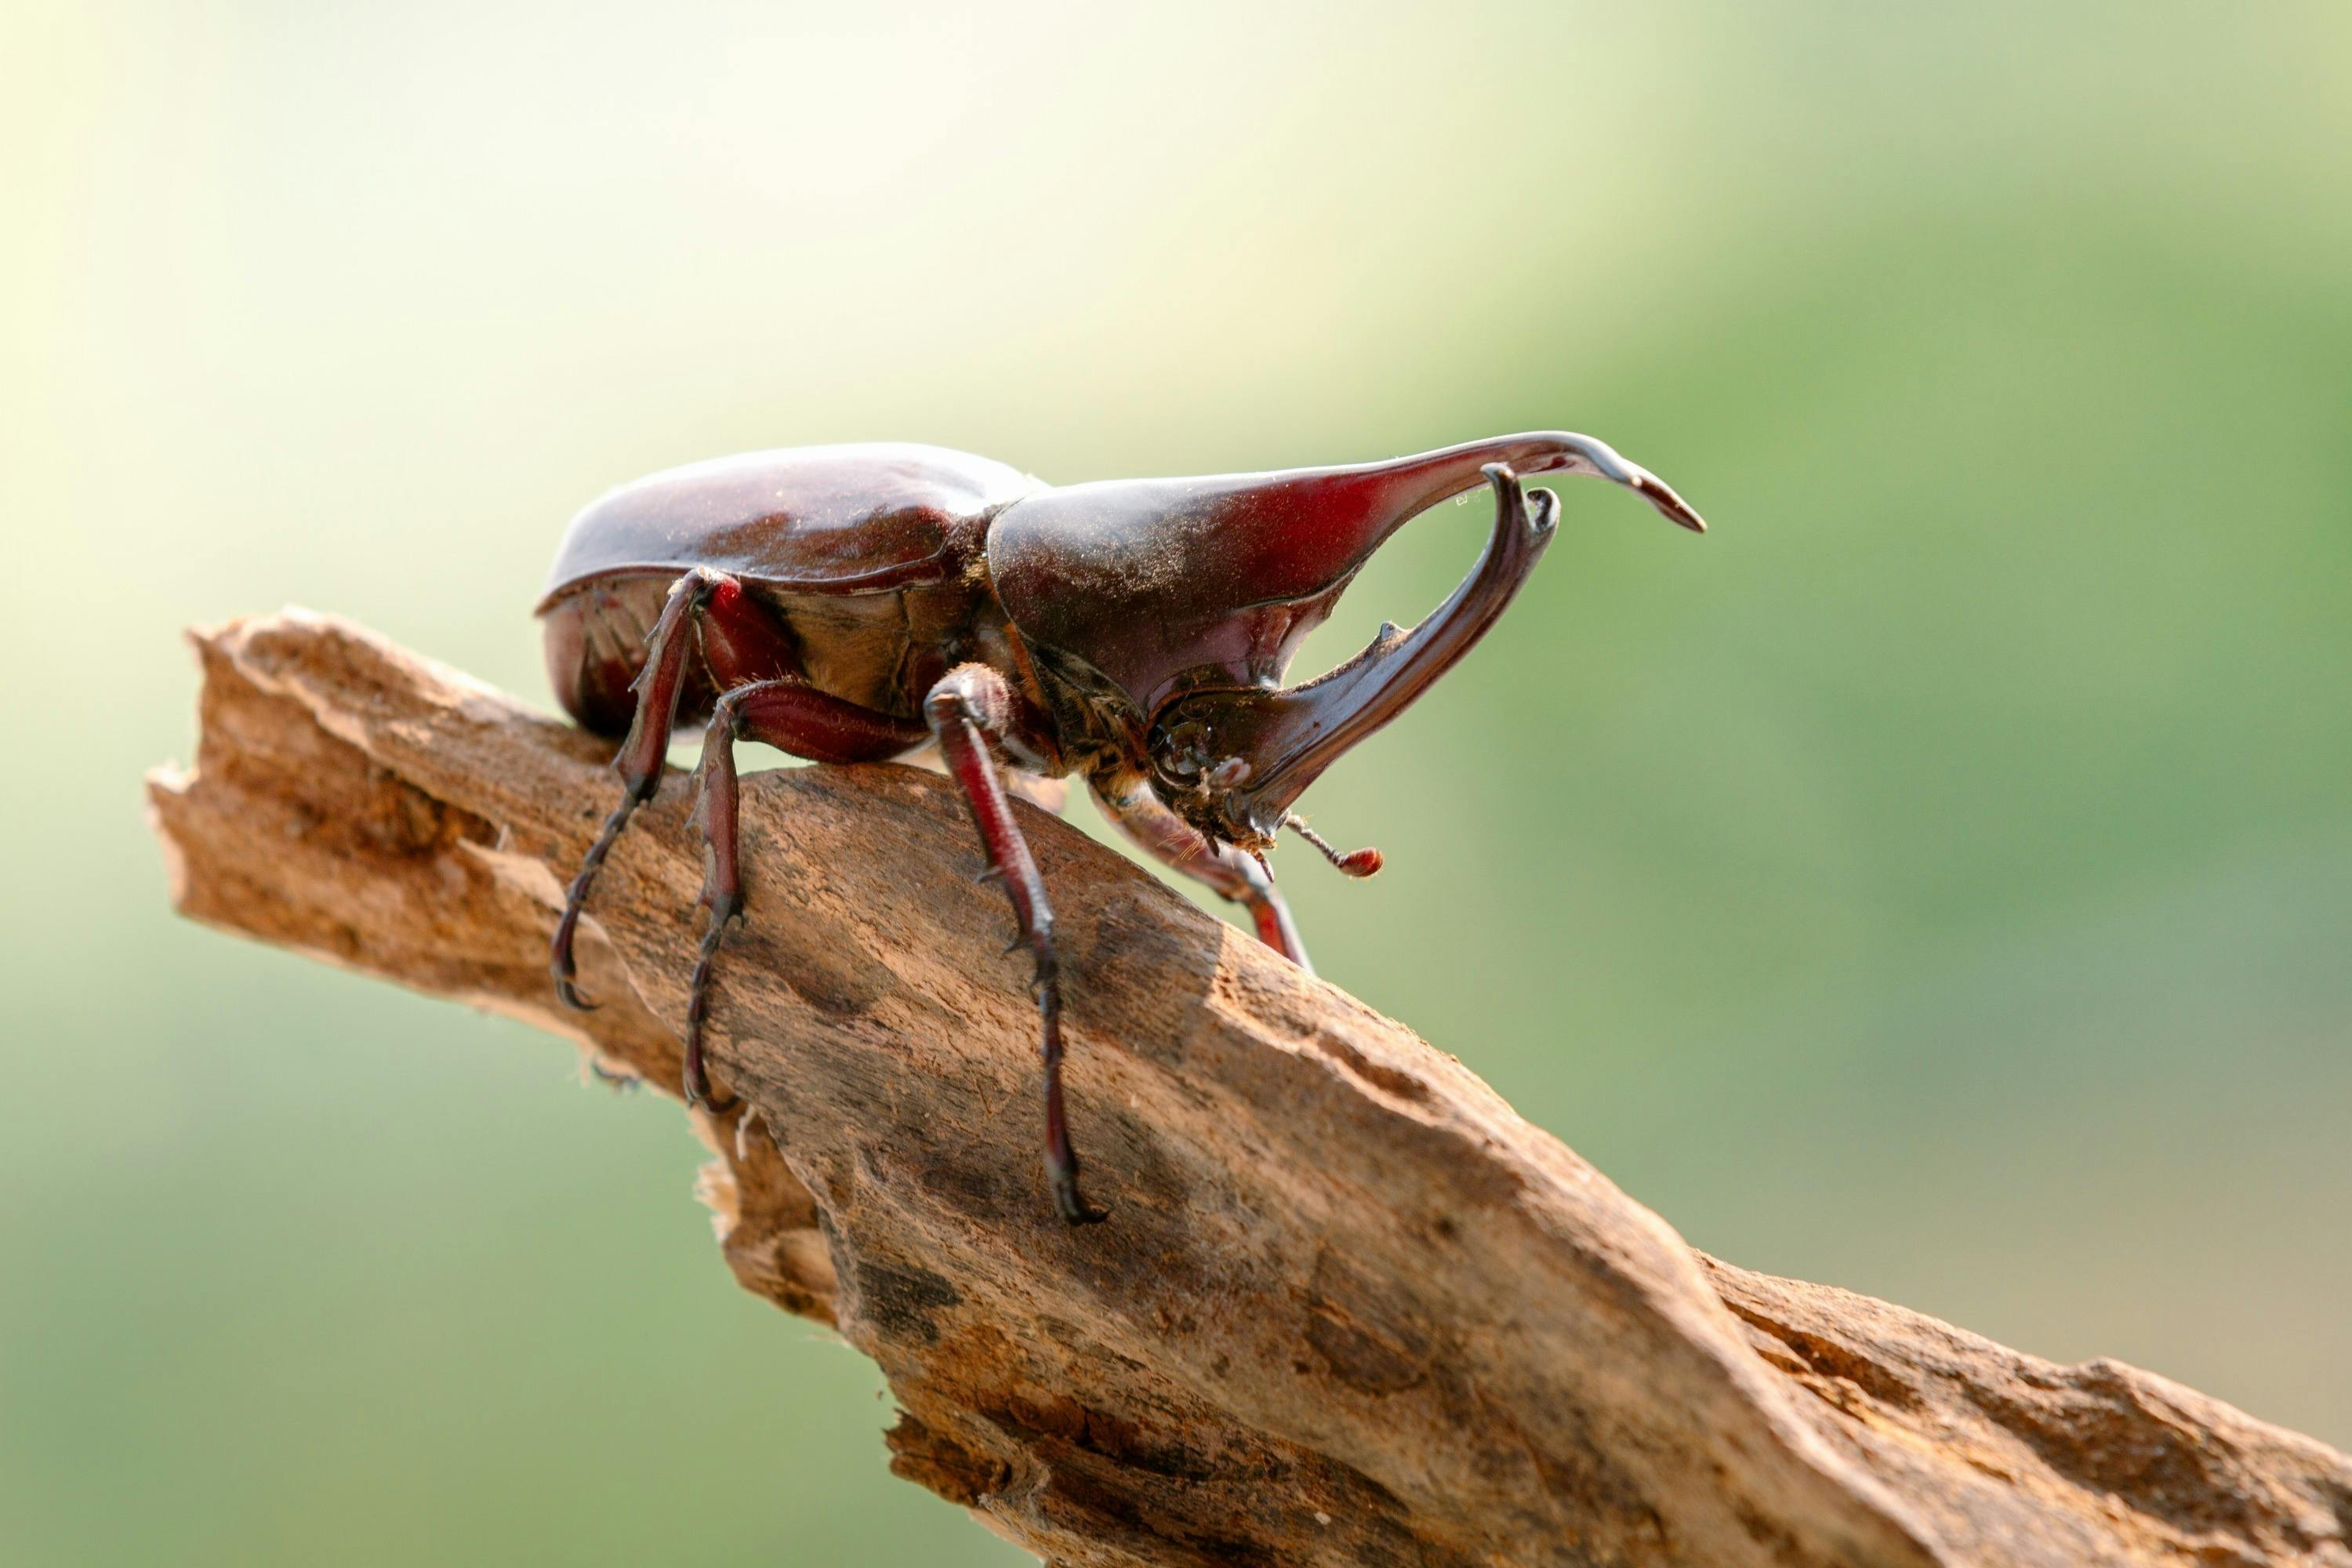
<point>1182,601</point>
<point>1236,760</point>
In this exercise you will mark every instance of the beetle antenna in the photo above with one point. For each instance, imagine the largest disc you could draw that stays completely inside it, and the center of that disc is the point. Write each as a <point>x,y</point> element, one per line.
<point>1356,863</point>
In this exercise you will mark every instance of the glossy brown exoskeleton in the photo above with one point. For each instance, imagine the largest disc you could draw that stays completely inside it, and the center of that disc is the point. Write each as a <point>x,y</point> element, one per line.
<point>852,604</point>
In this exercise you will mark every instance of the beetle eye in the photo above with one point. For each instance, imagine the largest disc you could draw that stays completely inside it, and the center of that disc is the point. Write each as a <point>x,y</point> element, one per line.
<point>1184,748</point>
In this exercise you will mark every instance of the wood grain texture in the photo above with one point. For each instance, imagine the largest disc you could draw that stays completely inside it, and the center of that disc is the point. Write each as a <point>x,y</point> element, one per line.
<point>1350,1308</point>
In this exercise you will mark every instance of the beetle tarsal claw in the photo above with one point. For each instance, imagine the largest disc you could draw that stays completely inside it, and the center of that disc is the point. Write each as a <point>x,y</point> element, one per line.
<point>752,1122</point>
<point>1076,1210</point>
<point>618,1082</point>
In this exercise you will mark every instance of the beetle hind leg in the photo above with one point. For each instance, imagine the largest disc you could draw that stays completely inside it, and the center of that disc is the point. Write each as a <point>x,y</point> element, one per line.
<point>658,685</point>
<point>560,963</point>
<point>792,716</point>
<point>710,632</point>
<point>718,811</point>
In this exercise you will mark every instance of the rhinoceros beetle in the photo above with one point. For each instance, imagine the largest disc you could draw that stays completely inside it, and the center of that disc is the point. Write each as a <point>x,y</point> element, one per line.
<point>856,603</point>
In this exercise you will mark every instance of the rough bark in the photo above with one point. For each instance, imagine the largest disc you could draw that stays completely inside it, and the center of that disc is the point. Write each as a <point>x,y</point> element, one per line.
<point>1350,1308</point>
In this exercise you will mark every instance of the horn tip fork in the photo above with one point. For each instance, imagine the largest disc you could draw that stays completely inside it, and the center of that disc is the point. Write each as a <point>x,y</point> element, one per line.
<point>1661,495</point>
<point>1582,454</point>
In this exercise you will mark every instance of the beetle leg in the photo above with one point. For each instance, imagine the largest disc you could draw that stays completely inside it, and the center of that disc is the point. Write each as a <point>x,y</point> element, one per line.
<point>738,641</point>
<point>792,716</point>
<point>717,809</point>
<point>1126,797</point>
<point>972,704</point>
<point>639,761</point>
<point>575,898</point>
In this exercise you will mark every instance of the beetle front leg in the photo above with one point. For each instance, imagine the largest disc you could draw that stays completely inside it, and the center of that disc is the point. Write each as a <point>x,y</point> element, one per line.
<point>1126,797</point>
<point>970,705</point>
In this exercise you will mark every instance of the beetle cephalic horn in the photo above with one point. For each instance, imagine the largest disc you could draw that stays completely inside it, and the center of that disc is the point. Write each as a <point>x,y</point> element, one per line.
<point>1293,735</point>
<point>1288,737</point>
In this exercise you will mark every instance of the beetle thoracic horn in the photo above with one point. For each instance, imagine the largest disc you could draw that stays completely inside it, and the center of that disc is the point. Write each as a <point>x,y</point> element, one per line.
<point>1145,581</point>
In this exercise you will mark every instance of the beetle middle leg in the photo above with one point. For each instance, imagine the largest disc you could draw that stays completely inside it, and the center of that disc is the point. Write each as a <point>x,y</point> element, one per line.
<point>970,705</point>
<point>1126,797</point>
<point>792,716</point>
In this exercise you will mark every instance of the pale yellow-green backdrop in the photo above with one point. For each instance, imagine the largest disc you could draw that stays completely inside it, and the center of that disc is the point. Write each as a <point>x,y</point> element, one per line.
<point>1936,882</point>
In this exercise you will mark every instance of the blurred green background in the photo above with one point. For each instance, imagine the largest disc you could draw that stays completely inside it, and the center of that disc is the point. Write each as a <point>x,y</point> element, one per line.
<point>1938,881</point>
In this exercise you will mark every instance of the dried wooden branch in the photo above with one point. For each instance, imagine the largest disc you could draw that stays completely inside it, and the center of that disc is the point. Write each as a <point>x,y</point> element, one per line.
<point>1349,1309</point>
